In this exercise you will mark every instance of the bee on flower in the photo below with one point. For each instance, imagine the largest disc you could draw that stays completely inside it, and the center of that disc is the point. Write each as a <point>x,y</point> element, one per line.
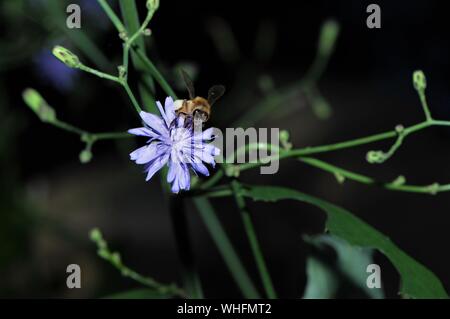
<point>173,141</point>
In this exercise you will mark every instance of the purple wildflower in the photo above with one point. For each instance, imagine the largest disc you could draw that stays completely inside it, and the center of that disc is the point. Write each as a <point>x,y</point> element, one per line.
<point>173,141</point>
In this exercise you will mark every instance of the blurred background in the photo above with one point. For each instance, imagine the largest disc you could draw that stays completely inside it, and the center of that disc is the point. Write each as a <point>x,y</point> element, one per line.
<point>49,201</point>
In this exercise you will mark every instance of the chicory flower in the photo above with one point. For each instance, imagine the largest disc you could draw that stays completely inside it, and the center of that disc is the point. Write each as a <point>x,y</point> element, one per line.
<point>173,141</point>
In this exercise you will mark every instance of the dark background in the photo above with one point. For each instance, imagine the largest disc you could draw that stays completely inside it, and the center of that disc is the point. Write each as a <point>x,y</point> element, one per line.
<point>50,201</point>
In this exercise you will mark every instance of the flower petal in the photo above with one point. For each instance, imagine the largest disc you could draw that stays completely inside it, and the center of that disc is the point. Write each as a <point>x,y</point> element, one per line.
<point>163,113</point>
<point>150,152</point>
<point>156,165</point>
<point>142,131</point>
<point>200,168</point>
<point>137,153</point>
<point>155,123</point>
<point>170,109</point>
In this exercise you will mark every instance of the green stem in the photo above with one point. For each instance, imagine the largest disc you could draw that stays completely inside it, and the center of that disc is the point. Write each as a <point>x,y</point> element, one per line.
<point>131,95</point>
<point>424,103</point>
<point>91,136</point>
<point>427,189</point>
<point>253,240</point>
<point>100,74</point>
<point>146,84</point>
<point>343,145</point>
<point>67,127</point>
<point>115,260</point>
<point>113,17</point>
<point>141,30</point>
<point>223,243</point>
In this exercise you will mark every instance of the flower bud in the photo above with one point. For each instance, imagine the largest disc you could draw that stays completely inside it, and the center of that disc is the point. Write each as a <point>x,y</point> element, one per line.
<point>38,105</point>
<point>328,36</point>
<point>115,258</point>
<point>96,235</point>
<point>419,80</point>
<point>399,181</point>
<point>433,189</point>
<point>147,32</point>
<point>375,157</point>
<point>152,5</point>
<point>66,56</point>
<point>85,156</point>
<point>339,177</point>
<point>284,140</point>
<point>232,171</point>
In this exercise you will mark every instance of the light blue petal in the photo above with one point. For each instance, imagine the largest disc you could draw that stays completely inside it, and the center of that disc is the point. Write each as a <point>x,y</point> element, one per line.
<point>142,131</point>
<point>155,123</point>
<point>156,165</point>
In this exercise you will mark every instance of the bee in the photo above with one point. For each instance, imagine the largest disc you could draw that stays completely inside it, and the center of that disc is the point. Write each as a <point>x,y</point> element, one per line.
<point>197,107</point>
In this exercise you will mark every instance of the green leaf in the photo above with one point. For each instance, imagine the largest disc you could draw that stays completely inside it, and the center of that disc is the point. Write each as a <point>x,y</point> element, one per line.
<point>350,266</point>
<point>139,294</point>
<point>416,280</point>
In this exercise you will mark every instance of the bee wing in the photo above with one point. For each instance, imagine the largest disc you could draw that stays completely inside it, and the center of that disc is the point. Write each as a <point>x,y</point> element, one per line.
<point>215,93</point>
<point>188,82</point>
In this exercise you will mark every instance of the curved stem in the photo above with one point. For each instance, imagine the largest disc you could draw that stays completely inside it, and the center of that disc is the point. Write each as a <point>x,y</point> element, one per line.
<point>394,186</point>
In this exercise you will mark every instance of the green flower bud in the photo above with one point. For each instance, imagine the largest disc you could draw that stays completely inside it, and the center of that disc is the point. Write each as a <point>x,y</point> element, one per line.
<point>284,140</point>
<point>375,157</point>
<point>85,156</point>
<point>419,80</point>
<point>152,5</point>
<point>147,32</point>
<point>284,136</point>
<point>399,181</point>
<point>400,129</point>
<point>339,177</point>
<point>328,36</point>
<point>96,235</point>
<point>232,171</point>
<point>66,57</point>
<point>122,71</point>
<point>116,259</point>
<point>103,253</point>
<point>123,35</point>
<point>38,105</point>
<point>433,188</point>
